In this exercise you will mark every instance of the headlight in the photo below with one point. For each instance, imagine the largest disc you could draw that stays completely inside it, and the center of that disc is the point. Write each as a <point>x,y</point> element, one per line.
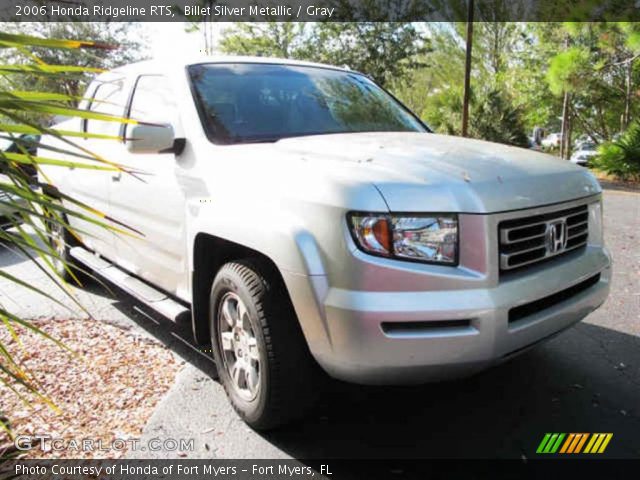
<point>425,238</point>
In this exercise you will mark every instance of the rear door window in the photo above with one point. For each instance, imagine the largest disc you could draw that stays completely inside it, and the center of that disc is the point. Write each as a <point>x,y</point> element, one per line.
<point>109,98</point>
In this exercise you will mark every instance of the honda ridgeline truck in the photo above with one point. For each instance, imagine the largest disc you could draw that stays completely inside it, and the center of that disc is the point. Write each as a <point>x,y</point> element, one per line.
<point>310,222</point>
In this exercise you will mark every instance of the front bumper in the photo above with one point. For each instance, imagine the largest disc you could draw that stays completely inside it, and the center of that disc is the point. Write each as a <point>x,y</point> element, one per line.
<point>375,339</point>
<point>382,321</point>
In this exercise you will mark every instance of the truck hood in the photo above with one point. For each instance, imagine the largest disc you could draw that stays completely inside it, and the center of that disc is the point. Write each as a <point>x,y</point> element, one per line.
<point>439,173</point>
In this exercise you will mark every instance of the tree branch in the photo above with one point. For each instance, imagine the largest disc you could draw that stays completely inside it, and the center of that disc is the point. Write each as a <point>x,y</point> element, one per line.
<point>622,62</point>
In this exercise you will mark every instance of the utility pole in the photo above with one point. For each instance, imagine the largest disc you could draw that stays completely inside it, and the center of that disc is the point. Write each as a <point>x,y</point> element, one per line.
<point>467,71</point>
<point>565,114</point>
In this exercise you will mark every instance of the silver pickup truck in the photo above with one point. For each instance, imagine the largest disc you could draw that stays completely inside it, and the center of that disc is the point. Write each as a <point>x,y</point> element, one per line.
<point>310,222</point>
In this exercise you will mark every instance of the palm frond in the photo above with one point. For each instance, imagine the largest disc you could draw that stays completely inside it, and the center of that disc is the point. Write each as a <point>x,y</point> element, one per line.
<point>12,40</point>
<point>23,129</point>
<point>34,208</point>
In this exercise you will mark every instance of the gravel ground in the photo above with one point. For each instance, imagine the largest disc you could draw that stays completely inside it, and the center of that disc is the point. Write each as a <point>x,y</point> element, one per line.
<point>106,391</point>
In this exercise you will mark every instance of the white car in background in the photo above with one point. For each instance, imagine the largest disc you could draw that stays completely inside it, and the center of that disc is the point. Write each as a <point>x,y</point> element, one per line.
<point>585,152</point>
<point>552,140</point>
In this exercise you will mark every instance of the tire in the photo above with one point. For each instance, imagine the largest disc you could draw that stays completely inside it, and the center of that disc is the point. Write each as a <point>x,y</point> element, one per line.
<point>274,380</point>
<point>61,240</point>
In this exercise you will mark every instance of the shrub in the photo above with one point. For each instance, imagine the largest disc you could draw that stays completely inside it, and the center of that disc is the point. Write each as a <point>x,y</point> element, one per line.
<point>493,116</point>
<point>621,158</point>
<point>497,119</point>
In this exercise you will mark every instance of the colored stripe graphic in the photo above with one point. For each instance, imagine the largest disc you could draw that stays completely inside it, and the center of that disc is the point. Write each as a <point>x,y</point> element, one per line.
<point>550,443</point>
<point>567,443</point>
<point>555,447</point>
<point>576,439</point>
<point>598,443</point>
<point>606,441</point>
<point>543,443</point>
<point>591,442</point>
<point>581,443</point>
<point>574,443</point>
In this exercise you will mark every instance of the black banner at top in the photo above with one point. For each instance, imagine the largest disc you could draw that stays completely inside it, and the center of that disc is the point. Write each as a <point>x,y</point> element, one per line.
<point>318,10</point>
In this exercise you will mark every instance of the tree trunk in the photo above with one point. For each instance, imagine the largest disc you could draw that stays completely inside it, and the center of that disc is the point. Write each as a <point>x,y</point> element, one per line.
<point>563,129</point>
<point>627,97</point>
<point>467,71</point>
<point>567,141</point>
<point>207,29</point>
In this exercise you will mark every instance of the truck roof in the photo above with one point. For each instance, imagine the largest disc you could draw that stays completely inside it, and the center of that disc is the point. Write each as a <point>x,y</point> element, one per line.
<point>171,64</point>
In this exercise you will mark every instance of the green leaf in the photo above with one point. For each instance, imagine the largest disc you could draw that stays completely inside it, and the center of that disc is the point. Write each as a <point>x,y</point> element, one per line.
<point>54,205</point>
<point>26,129</point>
<point>53,109</point>
<point>41,96</point>
<point>18,281</point>
<point>44,146</point>
<point>26,159</point>
<point>23,247</point>
<point>31,41</point>
<point>47,69</point>
<point>18,118</point>
<point>28,385</point>
<point>33,328</point>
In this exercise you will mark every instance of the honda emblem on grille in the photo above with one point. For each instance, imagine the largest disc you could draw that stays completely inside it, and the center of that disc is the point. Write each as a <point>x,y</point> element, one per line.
<point>556,236</point>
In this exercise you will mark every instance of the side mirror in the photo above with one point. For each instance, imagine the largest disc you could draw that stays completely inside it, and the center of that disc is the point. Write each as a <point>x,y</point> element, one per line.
<point>143,138</point>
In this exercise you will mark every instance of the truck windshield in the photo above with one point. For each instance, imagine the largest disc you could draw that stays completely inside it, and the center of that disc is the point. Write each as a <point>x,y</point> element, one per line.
<point>242,103</point>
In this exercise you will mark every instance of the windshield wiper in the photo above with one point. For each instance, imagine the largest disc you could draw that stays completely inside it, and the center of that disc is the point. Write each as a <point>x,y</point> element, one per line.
<point>262,140</point>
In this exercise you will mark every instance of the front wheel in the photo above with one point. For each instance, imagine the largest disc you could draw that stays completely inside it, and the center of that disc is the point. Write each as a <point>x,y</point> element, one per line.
<point>262,359</point>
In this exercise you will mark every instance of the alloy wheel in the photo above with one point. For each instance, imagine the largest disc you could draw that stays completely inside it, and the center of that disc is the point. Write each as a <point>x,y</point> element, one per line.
<point>239,346</point>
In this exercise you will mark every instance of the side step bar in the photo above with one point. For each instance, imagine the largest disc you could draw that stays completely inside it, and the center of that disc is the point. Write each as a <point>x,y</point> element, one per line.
<point>155,299</point>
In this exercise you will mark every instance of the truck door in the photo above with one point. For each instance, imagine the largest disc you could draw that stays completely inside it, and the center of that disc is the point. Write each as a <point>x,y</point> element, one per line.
<point>92,187</point>
<point>152,203</point>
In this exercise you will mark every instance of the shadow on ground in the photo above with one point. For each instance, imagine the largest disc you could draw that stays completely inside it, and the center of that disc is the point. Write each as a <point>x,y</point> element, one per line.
<point>585,380</point>
<point>571,384</point>
<point>176,335</point>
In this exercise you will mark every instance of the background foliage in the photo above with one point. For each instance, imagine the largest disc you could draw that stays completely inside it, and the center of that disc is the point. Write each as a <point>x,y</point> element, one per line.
<point>383,50</point>
<point>524,75</point>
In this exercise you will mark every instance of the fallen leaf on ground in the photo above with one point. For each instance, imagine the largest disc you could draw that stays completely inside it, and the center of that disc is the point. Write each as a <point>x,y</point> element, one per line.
<point>105,393</point>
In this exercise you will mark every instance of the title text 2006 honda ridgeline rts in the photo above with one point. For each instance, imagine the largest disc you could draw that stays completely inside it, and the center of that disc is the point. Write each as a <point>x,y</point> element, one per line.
<point>306,218</point>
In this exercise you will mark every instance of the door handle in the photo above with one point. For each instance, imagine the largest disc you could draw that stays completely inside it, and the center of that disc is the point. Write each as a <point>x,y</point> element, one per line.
<point>116,177</point>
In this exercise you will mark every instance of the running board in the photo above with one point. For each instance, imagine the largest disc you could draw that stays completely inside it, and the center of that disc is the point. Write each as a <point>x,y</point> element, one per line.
<point>155,299</point>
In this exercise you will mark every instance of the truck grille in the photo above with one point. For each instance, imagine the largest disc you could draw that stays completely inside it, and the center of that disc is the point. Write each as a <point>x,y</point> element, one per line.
<point>524,241</point>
